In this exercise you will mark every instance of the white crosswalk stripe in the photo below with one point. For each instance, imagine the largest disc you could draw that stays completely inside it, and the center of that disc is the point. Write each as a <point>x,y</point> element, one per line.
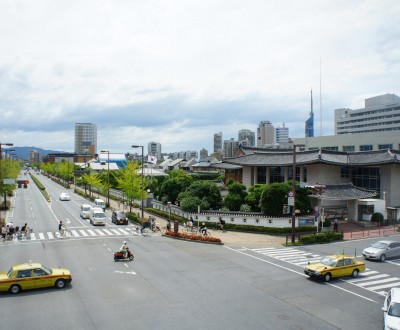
<point>370,280</point>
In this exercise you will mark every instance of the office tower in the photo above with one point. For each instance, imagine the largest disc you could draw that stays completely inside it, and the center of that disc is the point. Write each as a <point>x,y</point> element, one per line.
<point>218,142</point>
<point>85,138</point>
<point>231,147</point>
<point>265,134</point>
<point>381,113</point>
<point>247,134</point>
<point>282,134</point>
<point>309,129</point>
<point>154,149</point>
<point>203,154</point>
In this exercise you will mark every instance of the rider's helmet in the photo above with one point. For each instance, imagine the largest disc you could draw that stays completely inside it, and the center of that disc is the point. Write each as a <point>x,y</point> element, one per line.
<point>203,224</point>
<point>124,242</point>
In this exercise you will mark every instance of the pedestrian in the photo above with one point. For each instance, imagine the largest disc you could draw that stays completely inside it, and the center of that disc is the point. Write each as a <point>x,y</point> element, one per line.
<point>335,225</point>
<point>119,203</point>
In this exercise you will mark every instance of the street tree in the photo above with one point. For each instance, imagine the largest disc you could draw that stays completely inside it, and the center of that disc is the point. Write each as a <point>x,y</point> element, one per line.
<point>236,196</point>
<point>205,194</point>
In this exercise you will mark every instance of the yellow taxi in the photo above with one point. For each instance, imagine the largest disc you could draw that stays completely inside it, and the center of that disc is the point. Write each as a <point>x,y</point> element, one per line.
<point>337,265</point>
<point>33,276</point>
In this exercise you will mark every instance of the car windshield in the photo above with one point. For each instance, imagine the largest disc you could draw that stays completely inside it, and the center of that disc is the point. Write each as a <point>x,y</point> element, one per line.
<point>379,245</point>
<point>328,261</point>
<point>394,310</point>
<point>47,269</point>
<point>100,215</point>
<point>121,215</point>
<point>10,272</point>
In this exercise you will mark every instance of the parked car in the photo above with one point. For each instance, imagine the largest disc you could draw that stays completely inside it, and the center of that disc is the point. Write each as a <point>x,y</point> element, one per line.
<point>119,218</point>
<point>391,310</point>
<point>33,276</point>
<point>64,197</point>
<point>335,266</point>
<point>382,250</point>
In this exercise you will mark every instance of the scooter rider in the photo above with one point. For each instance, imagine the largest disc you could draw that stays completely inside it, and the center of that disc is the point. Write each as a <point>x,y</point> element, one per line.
<point>124,249</point>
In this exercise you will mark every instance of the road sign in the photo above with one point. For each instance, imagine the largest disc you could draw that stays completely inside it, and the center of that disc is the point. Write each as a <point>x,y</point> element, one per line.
<point>9,181</point>
<point>290,201</point>
<point>290,193</point>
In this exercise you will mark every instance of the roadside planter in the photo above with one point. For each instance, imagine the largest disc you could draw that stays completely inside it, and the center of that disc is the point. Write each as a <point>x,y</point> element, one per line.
<point>193,237</point>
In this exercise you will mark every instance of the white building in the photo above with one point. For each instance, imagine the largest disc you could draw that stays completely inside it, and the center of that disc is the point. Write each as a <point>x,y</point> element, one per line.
<point>218,142</point>
<point>265,134</point>
<point>154,149</point>
<point>282,134</point>
<point>85,138</point>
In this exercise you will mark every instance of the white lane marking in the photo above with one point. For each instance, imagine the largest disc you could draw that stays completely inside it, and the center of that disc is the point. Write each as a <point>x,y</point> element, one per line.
<point>107,232</point>
<point>33,236</point>
<point>391,285</point>
<point>83,233</point>
<point>115,231</point>
<point>386,280</point>
<point>91,232</point>
<point>121,272</point>
<point>100,232</point>
<point>75,233</point>
<point>364,278</point>
<point>299,273</point>
<point>123,231</point>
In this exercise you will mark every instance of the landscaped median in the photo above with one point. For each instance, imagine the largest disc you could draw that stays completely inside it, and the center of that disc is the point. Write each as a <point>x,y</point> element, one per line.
<point>193,237</point>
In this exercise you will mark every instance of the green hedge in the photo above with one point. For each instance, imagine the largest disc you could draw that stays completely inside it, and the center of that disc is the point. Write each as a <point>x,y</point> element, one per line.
<point>41,188</point>
<point>321,238</point>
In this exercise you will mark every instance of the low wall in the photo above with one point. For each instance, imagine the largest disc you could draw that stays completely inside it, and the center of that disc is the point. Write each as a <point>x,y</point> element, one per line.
<point>235,218</point>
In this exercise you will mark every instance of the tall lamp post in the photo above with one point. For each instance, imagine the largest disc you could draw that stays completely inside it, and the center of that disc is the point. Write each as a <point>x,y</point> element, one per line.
<point>294,193</point>
<point>108,176</point>
<point>1,171</point>
<point>134,146</point>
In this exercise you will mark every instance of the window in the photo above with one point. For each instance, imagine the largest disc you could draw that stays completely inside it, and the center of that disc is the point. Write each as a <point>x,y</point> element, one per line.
<point>345,172</point>
<point>330,148</point>
<point>290,172</point>
<point>348,262</point>
<point>340,263</point>
<point>385,146</point>
<point>366,177</point>
<point>262,175</point>
<point>348,148</point>
<point>24,273</point>
<point>277,174</point>
<point>39,272</point>
<point>366,147</point>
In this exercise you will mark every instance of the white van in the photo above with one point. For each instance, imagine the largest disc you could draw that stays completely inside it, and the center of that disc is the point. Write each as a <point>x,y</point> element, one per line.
<point>100,203</point>
<point>97,216</point>
<point>85,211</point>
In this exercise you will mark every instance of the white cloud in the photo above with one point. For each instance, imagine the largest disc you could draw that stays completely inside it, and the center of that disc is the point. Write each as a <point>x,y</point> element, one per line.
<point>176,72</point>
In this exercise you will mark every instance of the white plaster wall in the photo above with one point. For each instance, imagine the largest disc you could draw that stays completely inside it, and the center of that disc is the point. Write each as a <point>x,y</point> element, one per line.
<point>324,174</point>
<point>390,183</point>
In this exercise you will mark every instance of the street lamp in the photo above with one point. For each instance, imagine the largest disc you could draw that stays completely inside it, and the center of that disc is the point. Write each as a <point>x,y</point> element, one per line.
<point>108,176</point>
<point>294,193</point>
<point>134,146</point>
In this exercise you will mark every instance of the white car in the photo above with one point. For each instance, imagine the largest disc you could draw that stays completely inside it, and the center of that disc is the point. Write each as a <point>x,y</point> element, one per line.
<point>391,310</point>
<point>64,197</point>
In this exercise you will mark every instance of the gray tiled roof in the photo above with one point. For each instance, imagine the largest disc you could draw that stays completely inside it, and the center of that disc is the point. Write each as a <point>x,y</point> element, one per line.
<point>345,192</point>
<point>285,158</point>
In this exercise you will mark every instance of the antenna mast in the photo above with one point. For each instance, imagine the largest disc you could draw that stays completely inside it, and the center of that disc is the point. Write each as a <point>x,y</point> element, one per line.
<point>320,100</point>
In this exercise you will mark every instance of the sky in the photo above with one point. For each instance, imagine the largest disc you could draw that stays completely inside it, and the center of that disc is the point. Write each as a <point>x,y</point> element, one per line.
<point>178,71</point>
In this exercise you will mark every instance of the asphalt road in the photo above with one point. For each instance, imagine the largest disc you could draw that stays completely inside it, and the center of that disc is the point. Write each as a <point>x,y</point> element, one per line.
<point>173,284</point>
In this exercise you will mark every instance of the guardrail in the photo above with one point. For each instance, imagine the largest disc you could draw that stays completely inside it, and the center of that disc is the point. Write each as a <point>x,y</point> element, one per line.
<point>371,232</point>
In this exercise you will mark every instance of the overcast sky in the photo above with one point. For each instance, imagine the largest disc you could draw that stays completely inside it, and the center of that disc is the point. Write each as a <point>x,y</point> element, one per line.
<point>178,71</point>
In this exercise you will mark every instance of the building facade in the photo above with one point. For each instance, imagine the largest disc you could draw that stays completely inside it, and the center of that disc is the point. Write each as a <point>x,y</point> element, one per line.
<point>265,134</point>
<point>231,147</point>
<point>218,142</point>
<point>381,113</point>
<point>154,149</point>
<point>249,135</point>
<point>85,138</point>
<point>282,135</point>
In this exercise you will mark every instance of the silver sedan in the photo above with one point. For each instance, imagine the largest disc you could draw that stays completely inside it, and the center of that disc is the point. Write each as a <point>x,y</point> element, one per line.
<point>382,250</point>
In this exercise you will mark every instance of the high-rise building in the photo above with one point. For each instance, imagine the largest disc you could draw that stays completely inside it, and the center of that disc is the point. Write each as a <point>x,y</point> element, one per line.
<point>247,134</point>
<point>265,134</point>
<point>154,149</point>
<point>34,156</point>
<point>203,154</point>
<point>282,134</point>
<point>381,113</point>
<point>231,147</point>
<point>309,131</point>
<point>85,138</point>
<point>218,142</point>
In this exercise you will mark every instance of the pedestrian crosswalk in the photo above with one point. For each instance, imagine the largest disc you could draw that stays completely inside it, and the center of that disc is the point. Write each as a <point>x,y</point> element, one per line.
<point>370,280</point>
<point>83,233</point>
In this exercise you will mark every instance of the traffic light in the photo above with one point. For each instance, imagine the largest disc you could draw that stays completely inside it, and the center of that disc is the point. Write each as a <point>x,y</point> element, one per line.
<point>286,209</point>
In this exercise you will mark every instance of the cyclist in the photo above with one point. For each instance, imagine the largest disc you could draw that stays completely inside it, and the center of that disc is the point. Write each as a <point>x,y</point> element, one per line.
<point>61,228</point>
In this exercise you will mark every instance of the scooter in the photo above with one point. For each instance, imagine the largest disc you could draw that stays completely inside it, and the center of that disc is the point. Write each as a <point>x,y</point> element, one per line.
<point>120,256</point>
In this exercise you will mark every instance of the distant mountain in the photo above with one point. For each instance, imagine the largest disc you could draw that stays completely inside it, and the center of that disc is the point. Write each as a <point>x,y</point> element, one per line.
<point>23,152</point>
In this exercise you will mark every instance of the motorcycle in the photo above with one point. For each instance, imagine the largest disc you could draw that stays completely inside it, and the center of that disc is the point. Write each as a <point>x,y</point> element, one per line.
<point>120,256</point>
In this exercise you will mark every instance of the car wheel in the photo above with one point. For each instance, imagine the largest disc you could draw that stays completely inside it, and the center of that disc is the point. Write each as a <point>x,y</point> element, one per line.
<point>115,259</point>
<point>382,257</point>
<point>14,289</point>
<point>327,277</point>
<point>355,273</point>
<point>60,283</point>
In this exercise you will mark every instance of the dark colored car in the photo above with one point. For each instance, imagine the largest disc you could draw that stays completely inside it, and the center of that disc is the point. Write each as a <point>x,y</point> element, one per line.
<point>119,218</point>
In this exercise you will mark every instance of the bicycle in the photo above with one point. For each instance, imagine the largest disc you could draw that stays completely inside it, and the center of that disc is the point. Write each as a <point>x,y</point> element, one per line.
<point>63,233</point>
<point>219,226</point>
<point>141,231</point>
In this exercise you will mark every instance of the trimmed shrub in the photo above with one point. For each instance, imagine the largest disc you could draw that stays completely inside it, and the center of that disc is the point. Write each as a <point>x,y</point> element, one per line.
<point>377,217</point>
